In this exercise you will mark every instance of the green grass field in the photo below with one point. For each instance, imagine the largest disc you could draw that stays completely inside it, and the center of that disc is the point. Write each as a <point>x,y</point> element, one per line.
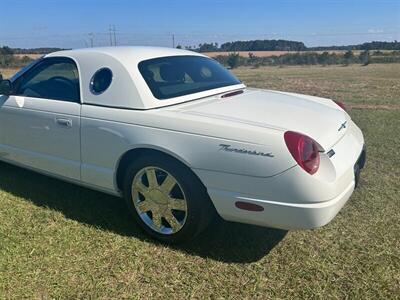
<point>62,241</point>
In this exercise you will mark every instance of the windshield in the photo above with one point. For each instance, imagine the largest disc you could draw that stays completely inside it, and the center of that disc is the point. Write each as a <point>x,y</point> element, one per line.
<point>174,76</point>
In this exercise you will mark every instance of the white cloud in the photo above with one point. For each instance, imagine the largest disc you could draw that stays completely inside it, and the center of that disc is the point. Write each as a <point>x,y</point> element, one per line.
<point>374,30</point>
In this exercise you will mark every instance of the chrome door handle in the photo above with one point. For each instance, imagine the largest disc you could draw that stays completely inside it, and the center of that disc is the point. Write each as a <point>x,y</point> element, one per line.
<point>64,122</point>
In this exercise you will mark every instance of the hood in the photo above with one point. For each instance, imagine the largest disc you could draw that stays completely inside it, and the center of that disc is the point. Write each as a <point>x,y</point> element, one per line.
<point>318,118</point>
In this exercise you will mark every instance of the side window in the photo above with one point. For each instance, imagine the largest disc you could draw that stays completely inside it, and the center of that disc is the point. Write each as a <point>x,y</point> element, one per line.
<point>55,79</point>
<point>100,81</point>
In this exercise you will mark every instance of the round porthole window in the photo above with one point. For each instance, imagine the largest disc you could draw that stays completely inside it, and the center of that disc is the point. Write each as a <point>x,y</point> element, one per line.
<point>101,80</point>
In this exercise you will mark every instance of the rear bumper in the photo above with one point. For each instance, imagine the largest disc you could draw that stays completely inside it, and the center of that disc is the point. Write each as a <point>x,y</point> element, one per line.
<point>292,199</point>
<point>280,214</point>
<point>288,215</point>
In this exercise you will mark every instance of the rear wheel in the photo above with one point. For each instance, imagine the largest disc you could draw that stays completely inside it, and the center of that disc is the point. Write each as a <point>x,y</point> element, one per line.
<point>167,199</point>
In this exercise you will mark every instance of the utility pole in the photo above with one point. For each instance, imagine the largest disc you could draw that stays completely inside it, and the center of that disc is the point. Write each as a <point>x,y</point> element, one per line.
<point>173,41</point>
<point>115,36</point>
<point>91,37</point>
<point>110,32</point>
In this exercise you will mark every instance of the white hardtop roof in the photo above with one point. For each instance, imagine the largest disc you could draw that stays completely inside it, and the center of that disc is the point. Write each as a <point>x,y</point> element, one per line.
<point>132,53</point>
<point>128,88</point>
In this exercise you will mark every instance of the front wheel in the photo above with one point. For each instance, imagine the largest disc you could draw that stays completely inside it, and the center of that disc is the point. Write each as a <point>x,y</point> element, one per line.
<point>166,199</point>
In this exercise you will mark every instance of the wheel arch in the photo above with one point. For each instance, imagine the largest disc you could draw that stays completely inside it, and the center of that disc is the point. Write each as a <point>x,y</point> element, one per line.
<point>134,153</point>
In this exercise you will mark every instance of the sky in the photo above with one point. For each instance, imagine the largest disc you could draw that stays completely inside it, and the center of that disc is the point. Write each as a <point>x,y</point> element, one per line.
<point>75,24</point>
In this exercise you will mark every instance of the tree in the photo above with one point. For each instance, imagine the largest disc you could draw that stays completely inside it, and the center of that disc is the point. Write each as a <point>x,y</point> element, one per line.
<point>6,56</point>
<point>365,58</point>
<point>348,57</point>
<point>323,58</point>
<point>233,60</point>
<point>5,50</point>
<point>208,47</point>
<point>252,57</point>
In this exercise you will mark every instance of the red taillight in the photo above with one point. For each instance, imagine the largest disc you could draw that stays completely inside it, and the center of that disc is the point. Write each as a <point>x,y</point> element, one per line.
<point>304,150</point>
<point>341,104</point>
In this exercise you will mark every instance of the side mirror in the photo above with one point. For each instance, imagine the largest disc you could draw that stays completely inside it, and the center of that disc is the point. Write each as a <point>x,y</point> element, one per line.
<point>5,87</point>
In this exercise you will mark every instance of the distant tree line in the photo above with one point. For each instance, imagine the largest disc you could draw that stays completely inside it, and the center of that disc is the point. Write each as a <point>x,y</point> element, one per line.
<point>256,45</point>
<point>284,45</point>
<point>43,50</point>
<point>310,58</point>
<point>365,46</point>
<point>263,45</point>
<point>9,60</point>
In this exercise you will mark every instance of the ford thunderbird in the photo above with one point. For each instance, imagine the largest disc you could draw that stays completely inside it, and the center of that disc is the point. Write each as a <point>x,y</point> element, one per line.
<point>181,139</point>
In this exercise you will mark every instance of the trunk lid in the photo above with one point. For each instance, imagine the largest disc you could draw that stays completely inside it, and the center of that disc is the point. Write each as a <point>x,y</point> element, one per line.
<point>318,118</point>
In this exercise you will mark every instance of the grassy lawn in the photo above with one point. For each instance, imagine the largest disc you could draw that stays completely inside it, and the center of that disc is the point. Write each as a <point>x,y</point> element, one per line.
<point>61,241</point>
<point>354,84</point>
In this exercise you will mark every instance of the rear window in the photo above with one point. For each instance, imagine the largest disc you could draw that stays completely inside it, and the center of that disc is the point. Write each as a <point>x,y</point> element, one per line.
<point>174,76</point>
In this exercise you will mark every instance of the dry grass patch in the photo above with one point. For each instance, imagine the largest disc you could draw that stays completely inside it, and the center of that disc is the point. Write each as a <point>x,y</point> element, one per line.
<point>30,55</point>
<point>373,84</point>
<point>7,73</point>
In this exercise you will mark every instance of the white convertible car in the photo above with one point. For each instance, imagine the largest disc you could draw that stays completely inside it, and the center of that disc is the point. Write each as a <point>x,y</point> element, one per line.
<point>180,138</point>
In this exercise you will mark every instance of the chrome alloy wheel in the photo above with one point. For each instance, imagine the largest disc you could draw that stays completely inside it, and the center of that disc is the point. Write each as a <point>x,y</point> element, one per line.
<point>159,200</point>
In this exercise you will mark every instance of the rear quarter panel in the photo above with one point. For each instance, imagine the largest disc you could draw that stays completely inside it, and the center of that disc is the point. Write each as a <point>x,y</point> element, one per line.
<point>108,133</point>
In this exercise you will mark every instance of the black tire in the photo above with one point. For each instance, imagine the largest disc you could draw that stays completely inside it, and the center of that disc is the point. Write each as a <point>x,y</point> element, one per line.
<point>200,210</point>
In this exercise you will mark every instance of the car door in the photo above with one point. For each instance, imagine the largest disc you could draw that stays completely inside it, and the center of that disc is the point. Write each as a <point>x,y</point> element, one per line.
<point>41,121</point>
